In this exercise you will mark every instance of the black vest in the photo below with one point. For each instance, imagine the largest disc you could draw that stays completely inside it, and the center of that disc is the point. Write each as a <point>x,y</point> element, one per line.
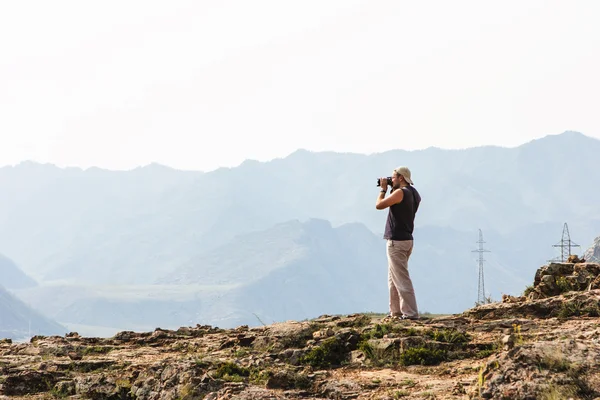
<point>401,216</point>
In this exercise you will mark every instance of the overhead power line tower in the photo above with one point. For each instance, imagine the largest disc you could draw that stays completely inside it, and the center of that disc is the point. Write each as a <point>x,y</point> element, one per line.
<point>565,245</point>
<point>481,299</point>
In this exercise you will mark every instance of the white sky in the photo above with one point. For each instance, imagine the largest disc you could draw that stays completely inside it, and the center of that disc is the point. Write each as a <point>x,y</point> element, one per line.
<point>201,84</point>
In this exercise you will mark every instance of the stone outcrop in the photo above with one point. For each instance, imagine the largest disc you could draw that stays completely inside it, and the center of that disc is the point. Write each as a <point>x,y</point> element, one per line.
<point>557,278</point>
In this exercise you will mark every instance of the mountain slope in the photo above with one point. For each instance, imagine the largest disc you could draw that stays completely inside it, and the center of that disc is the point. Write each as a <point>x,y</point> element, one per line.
<point>593,253</point>
<point>17,320</point>
<point>12,277</point>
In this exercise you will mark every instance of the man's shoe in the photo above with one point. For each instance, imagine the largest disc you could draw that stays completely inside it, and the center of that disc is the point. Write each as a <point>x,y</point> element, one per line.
<point>407,317</point>
<point>391,318</point>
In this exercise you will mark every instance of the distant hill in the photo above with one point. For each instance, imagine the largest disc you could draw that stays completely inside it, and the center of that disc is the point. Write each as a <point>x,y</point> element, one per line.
<point>17,320</point>
<point>293,270</point>
<point>307,266</point>
<point>12,277</point>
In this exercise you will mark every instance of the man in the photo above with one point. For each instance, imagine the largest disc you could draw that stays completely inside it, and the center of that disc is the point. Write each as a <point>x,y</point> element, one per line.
<point>403,203</point>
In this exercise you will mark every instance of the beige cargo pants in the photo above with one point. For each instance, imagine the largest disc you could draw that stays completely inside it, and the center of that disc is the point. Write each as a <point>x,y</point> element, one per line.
<point>402,293</point>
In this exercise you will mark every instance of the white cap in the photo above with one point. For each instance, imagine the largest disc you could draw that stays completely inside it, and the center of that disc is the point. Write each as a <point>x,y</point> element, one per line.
<point>405,172</point>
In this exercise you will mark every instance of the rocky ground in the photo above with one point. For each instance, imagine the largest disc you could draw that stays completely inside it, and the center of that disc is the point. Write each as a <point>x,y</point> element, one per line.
<point>543,345</point>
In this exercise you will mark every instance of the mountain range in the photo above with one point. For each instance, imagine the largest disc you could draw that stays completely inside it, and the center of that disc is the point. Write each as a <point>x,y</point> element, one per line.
<point>291,238</point>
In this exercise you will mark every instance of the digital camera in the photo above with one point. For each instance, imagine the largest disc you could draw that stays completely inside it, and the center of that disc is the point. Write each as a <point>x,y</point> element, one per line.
<point>389,181</point>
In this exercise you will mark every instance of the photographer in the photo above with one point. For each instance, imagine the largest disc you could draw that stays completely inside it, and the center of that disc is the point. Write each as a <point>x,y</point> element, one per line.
<point>403,203</point>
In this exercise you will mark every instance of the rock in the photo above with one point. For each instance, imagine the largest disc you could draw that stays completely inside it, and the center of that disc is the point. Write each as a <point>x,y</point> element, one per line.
<point>35,338</point>
<point>323,333</point>
<point>292,356</point>
<point>548,285</point>
<point>357,357</point>
<point>349,337</point>
<point>559,269</point>
<point>287,380</point>
<point>574,259</point>
<point>74,355</point>
<point>342,389</point>
<point>384,344</point>
<point>228,343</point>
<point>28,382</point>
<point>512,299</point>
<point>411,342</point>
<point>64,388</point>
<point>125,336</point>
<point>508,341</point>
<point>245,340</point>
<point>327,318</point>
<point>458,389</point>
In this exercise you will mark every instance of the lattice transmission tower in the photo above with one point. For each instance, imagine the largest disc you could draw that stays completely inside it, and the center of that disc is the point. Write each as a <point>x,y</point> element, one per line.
<point>565,245</point>
<point>481,299</point>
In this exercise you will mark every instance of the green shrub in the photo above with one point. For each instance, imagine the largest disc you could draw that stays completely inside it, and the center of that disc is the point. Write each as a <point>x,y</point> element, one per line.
<point>331,352</point>
<point>578,308</point>
<point>422,356</point>
<point>448,336</point>
<point>528,290</point>
<point>379,357</point>
<point>380,330</point>
<point>232,372</point>
<point>89,350</point>
<point>564,285</point>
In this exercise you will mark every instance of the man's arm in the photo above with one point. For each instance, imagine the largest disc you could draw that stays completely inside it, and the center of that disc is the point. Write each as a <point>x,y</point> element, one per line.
<point>394,198</point>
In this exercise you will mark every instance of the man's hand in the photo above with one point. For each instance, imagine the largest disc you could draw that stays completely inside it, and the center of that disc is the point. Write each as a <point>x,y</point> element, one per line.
<point>383,183</point>
<point>394,198</point>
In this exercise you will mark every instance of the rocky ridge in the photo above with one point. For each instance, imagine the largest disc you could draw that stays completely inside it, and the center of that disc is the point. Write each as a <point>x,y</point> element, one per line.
<point>593,253</point>
<point>542,345</point>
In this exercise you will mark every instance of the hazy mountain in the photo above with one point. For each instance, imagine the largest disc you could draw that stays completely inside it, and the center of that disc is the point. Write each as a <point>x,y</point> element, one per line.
<point>54,218</point>
<point>17,320</point>
<point>11,276</point>
<point>126,227</point>
<point>155,224</point>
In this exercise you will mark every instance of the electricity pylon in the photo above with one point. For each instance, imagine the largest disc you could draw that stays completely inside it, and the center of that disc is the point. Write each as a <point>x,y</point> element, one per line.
<point>481,299</point>
<point>565,245</point>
